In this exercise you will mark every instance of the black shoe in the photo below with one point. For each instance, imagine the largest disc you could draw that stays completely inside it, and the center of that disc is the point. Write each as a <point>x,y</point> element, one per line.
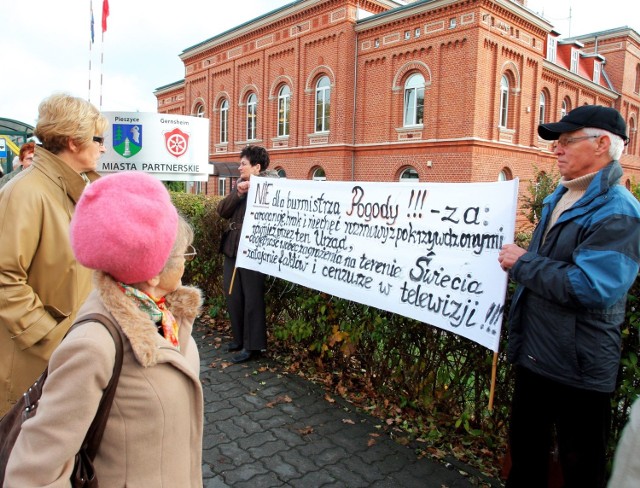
<point>232,347</point>
<point>244,356</point>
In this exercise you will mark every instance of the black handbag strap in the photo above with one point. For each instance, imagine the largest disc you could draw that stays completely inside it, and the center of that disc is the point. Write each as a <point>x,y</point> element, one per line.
<point>94,435</point>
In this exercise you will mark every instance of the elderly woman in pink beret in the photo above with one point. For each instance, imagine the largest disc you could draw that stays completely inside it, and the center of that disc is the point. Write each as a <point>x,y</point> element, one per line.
<point>127,230</point>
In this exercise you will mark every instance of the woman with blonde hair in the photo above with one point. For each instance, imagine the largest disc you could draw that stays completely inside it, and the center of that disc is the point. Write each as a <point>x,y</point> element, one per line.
<point>126,228</point>
<point>41,284</point>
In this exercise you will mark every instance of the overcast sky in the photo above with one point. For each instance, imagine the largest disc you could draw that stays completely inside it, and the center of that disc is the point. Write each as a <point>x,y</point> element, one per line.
<point>45,44</point>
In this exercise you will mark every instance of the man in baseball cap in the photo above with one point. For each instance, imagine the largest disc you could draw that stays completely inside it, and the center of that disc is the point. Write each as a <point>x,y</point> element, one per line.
<point>568,309</point>
<point>595,116</point>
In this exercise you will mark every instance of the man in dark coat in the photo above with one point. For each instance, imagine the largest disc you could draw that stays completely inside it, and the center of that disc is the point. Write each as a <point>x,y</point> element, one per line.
<point>567,312</point>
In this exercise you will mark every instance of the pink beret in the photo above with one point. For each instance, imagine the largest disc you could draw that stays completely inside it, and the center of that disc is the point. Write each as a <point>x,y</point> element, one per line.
<point>125,225</point>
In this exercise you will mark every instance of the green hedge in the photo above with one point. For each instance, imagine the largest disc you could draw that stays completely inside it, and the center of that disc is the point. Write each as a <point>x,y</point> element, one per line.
<point>205,271</point>
<point>437,383</point>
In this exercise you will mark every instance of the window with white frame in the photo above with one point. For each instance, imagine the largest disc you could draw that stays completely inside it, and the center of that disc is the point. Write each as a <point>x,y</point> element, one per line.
<point>631,147</point>
<point>409,174</point>
<point>200,110</point>
<point>575,58</point>
<point>284,109</point>
<point>323,105</point>
<point>505,175</point>
<point>252,112</point>
<point>193,187</point>
<point>552,48</point>
<point>224,121</point>
<point>504,101</point>
<point>596,72</point>
<point>542,108</point>
<point>414,100</point>
<point>318,175</point>
<point>222,186</point>
<point>566,107</point>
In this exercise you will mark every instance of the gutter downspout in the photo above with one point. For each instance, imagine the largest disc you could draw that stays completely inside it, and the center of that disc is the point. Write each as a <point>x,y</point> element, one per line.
<point>355,98</point>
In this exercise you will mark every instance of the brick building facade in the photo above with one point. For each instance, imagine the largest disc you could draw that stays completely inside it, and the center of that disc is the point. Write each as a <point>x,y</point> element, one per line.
<point>379,90</point>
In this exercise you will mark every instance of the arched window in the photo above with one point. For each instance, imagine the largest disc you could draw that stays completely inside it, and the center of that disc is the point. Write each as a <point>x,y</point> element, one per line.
<point>566,107</point>
<point>504,101</point>
<point>409,174</point>
<point>542,108</point>
<point>284,106</point>
<point>281,172</point>
<point>224,121</point>
<point>505,175</point>
<point>631,147</point>
<point>318,175</point>
<point>414,100</point>
<point>323,106</point>
<point>200,110</point>
<point>252,113</point>
<point>637,84</point>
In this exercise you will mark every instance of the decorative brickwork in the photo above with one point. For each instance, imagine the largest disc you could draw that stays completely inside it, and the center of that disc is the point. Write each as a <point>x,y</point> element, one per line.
<point>473,128</point>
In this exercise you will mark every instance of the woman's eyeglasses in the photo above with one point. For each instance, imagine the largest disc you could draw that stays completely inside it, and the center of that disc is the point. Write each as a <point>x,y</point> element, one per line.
<point>190,254</point>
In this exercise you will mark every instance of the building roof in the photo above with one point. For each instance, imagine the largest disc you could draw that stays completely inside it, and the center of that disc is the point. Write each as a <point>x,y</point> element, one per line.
<point>624,30</point>
<point>268,18</point>
<point>170,86</point>
<point>421,5</point>
<point>196,47</point>
<point>226,169</point>
<point>11,125</point>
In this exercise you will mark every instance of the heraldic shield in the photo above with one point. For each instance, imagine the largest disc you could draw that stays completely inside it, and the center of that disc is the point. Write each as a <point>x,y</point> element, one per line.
<point>127,139</point>
<point>176,142</point>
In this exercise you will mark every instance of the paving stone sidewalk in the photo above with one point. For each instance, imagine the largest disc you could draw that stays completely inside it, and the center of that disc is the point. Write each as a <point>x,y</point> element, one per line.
<point>264,428</point>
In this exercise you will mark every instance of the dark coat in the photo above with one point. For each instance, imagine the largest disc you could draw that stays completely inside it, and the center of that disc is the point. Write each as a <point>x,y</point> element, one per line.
<point>232,208</point>
<point>567,311</point>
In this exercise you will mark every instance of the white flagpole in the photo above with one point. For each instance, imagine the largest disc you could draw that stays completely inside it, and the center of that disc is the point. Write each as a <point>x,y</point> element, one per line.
<point>101,67</point>
<point>105,14</point>
<point>90,44</point>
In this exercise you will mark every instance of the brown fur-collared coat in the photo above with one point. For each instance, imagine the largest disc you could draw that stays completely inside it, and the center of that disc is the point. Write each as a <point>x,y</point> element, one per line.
<point>154,433</point>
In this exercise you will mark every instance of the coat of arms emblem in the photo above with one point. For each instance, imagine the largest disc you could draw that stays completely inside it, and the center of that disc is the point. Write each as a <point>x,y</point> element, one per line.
<point>176,142</point>
<point>127,139</point>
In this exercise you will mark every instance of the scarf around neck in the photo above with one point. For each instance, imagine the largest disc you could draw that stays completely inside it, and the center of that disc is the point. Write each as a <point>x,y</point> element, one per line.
<point>157,310</point>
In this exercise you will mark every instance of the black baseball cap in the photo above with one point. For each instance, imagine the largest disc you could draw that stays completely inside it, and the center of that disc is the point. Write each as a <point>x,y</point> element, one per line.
<point>596,116</point>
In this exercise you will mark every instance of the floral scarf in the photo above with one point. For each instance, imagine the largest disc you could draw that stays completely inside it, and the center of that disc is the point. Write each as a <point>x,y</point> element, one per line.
<point>157,311</point>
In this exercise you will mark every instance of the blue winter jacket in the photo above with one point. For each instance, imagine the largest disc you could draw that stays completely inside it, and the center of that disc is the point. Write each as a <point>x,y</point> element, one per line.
<point>567,311</point>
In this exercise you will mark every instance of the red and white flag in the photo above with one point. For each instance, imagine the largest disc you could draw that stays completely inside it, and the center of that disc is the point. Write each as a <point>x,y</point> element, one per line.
<point>105,14</point>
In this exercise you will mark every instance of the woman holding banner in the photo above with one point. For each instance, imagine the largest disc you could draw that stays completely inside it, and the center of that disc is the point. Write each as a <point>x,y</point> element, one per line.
<point>243,288</point>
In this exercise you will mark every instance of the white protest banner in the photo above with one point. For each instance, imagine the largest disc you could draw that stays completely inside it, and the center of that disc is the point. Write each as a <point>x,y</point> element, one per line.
<point>171,147</point>
<point>428,251</point>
